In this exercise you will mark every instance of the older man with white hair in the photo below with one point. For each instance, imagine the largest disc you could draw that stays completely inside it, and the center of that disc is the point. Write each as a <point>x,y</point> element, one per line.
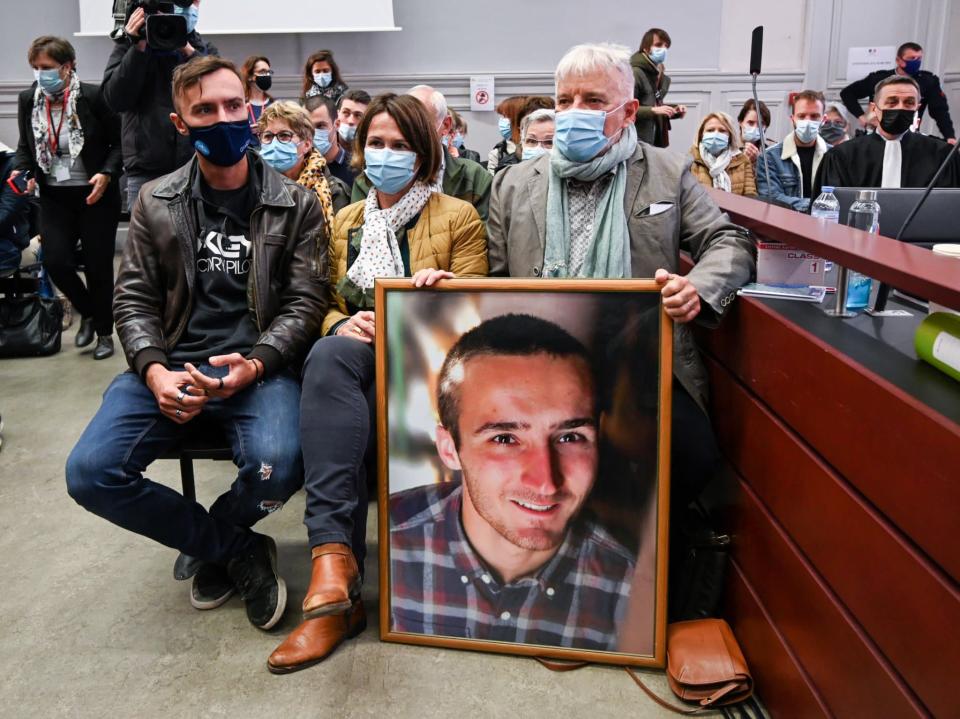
<point>603,205</point>
<point>461,178</point>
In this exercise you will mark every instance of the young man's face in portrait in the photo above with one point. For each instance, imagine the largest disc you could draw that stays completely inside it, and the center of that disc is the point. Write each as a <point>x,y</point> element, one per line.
<point>527,446</point>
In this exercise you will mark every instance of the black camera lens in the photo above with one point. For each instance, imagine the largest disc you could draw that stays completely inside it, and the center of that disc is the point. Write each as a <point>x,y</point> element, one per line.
<point>166,32</point>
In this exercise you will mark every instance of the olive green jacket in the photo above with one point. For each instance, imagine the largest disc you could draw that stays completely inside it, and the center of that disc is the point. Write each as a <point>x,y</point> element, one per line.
<point>649,124</point>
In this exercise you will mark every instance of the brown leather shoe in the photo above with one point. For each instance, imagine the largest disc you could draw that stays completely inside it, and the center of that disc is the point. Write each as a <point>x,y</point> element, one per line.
<point>315,640</point>
<point>334,582</point>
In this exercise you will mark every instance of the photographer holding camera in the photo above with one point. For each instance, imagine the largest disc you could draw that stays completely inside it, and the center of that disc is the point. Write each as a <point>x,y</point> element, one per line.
<point>157,37</point>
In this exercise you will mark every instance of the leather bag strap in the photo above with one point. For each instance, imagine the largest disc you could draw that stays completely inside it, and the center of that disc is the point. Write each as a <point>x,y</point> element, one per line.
<point>662,702</point>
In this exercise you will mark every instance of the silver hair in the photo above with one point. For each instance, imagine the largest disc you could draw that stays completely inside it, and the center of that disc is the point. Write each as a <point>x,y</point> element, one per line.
<point>541,115</point>
<point>437,99</point>
<point>594,57</point>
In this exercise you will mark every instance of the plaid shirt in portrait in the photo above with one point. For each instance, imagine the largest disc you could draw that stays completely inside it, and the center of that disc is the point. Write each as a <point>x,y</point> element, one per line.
<point>440,586</point>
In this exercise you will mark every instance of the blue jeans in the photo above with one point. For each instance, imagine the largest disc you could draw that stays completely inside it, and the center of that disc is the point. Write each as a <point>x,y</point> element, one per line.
<point>105,469</point>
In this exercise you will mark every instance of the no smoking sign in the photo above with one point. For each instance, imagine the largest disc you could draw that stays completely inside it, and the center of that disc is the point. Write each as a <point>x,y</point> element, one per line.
<point>481,93</point>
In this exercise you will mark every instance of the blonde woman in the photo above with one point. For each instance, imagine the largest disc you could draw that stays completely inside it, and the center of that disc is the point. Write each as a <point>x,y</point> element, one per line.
<point>718,160</point>
<point>286,144</point>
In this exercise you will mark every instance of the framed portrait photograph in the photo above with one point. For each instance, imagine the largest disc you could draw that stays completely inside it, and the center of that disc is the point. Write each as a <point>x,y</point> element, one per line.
<point>523,477</point>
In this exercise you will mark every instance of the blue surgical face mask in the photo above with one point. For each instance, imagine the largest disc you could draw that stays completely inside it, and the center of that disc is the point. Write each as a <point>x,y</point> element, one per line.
<point>223,143</point>
<point>912,67</point>
<point>578,134</point>
<point>658,55</point>
<point>751,133</point>
<point>458,140</point>
<point>49,80</point>
<point>191,13</point>
<point>808,130</point>
<point>445,140</point>
<point>715,142</point>
<point>389,170</point>
<point>323,79</point>
<point>281,156</point>
<point>503,125</point>
<point>321,141</point>
<point>347,132</point>
<point>529,153</point>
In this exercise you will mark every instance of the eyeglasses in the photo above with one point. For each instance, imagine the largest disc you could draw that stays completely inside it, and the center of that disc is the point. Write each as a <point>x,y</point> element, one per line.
<point>267,137</point>
<point>532,142</point>
<point>263,73</point>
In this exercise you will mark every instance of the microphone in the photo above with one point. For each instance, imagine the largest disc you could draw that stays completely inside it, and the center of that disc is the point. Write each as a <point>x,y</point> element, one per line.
<point>884,290</point>
<point>756,50</point>
<point>756,54</point>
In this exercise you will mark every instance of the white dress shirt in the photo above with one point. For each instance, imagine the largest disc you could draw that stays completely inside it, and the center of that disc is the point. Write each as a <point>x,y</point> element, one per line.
<point>892,162</point>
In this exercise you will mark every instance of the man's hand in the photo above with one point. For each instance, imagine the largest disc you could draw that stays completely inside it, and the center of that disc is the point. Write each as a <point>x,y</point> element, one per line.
<point>868,119</point>
<point>242,372</point>
<point>665,110</point>
<point>188,50</point>
<point>138,19</point>
<point>177,399</point>
<point>99,182</point>
<point>951,141</point>
<point>680,298</point>
<point>751,151</point>
<point>362,326</point>
<point>428,277</point>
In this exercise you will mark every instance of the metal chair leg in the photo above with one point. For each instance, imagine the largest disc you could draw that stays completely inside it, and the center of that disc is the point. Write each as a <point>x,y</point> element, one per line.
<point>186,478</point>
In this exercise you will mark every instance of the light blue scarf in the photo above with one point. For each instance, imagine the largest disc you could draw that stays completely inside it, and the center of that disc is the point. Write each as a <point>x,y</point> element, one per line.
<point>609,253</point>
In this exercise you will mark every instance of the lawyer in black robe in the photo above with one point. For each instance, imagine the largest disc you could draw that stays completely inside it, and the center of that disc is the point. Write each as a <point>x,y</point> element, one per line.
<point>859,163</point>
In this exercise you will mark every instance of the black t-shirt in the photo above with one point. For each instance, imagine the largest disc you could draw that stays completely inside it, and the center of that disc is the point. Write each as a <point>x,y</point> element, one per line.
<point>806,167</point>
<point>220,321</point>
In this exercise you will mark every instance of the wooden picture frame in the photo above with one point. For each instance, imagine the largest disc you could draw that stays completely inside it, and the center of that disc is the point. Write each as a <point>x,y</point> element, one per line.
<point>629,331</point>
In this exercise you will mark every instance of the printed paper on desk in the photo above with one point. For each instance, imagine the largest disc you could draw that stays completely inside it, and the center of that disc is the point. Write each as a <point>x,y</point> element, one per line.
<point>779,264</point>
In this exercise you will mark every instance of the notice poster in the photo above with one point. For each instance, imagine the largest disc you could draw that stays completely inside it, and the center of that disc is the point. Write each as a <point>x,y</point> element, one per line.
<point>861,61</point>
<point>481,93</point>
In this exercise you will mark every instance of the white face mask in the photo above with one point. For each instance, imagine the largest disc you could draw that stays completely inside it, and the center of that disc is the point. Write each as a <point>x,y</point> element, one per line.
<point>323,79</point>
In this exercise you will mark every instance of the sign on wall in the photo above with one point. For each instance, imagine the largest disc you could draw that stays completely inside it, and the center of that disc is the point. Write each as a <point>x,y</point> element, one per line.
<point>481,93</point>
<point>861,61</point>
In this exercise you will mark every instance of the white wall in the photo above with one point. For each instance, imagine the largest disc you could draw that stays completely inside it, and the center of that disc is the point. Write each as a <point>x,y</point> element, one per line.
<point>444,43</point>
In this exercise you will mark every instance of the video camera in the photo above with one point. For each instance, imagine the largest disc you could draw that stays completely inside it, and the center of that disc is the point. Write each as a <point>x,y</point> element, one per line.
<point>164,31</point>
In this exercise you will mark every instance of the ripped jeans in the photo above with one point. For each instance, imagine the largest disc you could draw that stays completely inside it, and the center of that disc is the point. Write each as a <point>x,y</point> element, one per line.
<point>261,423</point>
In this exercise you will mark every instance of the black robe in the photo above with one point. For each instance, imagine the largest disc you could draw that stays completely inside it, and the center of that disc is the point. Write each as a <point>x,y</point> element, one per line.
<point>859,163</point>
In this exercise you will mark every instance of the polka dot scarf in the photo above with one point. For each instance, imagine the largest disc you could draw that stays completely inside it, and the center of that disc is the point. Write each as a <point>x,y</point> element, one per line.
<point>379,254</point>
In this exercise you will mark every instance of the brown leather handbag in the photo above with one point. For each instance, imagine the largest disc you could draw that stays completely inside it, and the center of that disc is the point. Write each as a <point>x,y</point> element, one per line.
<point>704,665</point>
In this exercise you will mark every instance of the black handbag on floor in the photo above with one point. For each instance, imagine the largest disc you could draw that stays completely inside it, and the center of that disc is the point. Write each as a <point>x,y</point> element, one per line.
<point>30,325</point>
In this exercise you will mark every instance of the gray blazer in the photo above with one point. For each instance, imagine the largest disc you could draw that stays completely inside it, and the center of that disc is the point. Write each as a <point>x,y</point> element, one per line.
<point>667,210</point>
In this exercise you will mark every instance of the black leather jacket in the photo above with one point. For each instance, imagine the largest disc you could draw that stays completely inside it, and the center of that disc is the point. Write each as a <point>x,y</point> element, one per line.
<point>287,286</point>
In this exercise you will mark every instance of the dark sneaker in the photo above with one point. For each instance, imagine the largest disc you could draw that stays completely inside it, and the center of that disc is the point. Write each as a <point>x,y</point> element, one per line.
<point>104,348</point>
<point>254,574</point>
<point>211,587</point>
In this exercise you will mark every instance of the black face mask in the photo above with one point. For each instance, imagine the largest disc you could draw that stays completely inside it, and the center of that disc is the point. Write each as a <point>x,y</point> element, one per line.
<point>263,82</point>
<point>831,132</point>
<point>896,122</point>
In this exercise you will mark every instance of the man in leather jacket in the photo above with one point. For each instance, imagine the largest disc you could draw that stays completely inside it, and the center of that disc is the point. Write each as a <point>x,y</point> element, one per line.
<point>220,293</point>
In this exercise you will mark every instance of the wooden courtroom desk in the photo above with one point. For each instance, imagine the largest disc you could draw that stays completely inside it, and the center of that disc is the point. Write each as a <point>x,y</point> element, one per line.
<point>845,504</point>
